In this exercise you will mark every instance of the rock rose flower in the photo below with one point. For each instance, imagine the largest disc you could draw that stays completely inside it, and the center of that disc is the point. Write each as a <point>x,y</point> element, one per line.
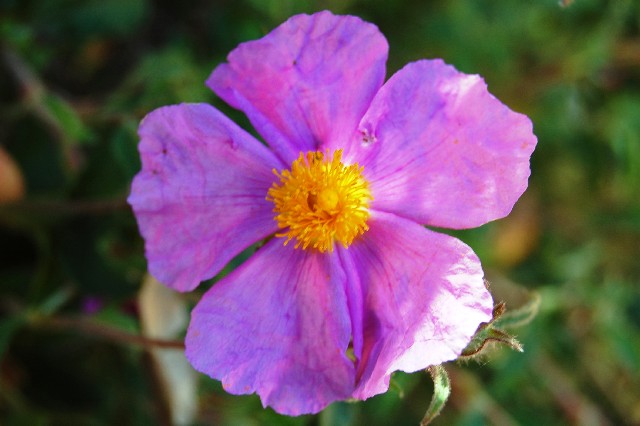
<point>349,286</point>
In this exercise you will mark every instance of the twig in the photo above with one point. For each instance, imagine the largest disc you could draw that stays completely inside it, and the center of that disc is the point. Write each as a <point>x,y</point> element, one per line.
<point>91,328</point>
<point>68,207</point>
<point>33,90</point>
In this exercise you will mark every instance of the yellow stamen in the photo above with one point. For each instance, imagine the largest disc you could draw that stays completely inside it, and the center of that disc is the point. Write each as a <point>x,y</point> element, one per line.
<point>319,201</point>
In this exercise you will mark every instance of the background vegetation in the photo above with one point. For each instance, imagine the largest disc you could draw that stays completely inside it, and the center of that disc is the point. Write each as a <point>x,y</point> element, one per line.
<point>76,76</point>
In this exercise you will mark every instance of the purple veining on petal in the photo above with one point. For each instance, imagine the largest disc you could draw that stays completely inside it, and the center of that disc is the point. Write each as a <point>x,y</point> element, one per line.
<point>447,152</point>
<point>196,205</point>
<point>424,297</point>
<point>278,326</point>
<point>307,83</point>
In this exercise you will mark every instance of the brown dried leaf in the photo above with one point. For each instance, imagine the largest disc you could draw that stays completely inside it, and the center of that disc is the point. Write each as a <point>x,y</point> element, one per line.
<point>12,186</point>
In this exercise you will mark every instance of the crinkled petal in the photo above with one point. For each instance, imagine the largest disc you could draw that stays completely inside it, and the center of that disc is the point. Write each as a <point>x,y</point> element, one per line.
<point>424,297</point>
<point>200,196</point>
<point>438,148</point>
<point>306,83</point>
<point>279,326</point>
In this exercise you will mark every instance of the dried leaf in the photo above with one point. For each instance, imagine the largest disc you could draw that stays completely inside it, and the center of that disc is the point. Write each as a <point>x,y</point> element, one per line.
<point>12,186</point>
<point>164,315</point>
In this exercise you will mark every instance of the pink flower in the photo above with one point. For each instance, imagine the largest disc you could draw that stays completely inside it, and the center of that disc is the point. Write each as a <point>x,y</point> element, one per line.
<point>362,289</point>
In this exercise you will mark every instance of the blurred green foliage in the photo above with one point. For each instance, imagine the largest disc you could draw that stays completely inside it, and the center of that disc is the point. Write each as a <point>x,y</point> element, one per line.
<point>76,76</point>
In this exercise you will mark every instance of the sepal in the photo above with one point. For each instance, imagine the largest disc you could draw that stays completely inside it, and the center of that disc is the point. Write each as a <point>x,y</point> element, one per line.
<point>441,392</point>
<point>494,330</point>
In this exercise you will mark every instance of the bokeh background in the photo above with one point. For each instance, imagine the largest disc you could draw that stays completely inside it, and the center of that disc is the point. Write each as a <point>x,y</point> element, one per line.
<point>76,76</point>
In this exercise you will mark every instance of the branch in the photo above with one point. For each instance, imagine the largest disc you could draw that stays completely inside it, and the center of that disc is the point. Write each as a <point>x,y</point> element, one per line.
<point>92,328</point>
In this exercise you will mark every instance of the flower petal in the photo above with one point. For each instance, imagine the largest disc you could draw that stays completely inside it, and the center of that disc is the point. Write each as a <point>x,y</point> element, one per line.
<point>278,326</point>
<point>200,196</point>
<point>424,297</point>
<point>306,83</point>
<point>438,148</point>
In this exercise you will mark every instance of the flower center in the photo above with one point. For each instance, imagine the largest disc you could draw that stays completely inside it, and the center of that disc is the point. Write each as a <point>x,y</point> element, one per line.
<point>321,200</point>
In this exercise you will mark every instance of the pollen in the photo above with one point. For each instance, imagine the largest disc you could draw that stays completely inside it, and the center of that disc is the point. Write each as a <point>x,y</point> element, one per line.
<point>320,201</point>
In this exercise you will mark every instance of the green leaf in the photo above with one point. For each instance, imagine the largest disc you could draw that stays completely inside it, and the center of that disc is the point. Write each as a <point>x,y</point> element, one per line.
<point>55,301</point>
<point>520,316</point>
<point>441,391</point>
<point>114,317</point>
<point>66,119</point>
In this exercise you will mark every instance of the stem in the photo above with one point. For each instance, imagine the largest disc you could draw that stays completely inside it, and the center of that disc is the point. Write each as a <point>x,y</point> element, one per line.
<point>92,328</point>
<point>68,207</point>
